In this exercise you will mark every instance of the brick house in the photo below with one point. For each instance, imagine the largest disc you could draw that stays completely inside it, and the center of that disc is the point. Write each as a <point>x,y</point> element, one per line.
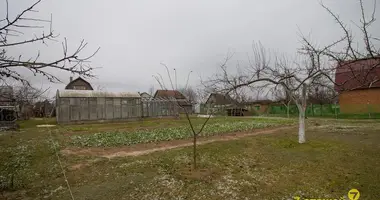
<point>78,84</point>
<point>258,106</point>
<point>358,85</point>
<point>181,99</point>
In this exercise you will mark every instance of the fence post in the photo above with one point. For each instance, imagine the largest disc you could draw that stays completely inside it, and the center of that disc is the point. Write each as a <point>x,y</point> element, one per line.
<point>369,112</point>
<point>321,109</point>
<point>336,114</point>
<point>142,108</point>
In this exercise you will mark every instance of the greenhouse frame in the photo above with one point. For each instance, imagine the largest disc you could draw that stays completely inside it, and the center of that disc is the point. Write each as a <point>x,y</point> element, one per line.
<point>77,106</point>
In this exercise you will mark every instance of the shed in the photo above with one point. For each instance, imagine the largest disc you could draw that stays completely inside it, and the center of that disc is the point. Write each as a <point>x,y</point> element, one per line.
<point>8,108</point>
<point>88,105</point>
<point>178,96</point>
<point>258,106</point>
<point>236,111</point>
<point>220,99</point>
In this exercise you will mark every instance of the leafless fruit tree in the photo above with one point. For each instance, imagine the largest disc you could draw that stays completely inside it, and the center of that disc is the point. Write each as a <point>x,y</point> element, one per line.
<point>282,95</point>
<point>295,75</point>
<point>322,91</point>
<point>189,93</point>
<point>12,35</point>
<point>265,72</point>
<point>151,90</point>
<point>347,53</point>
<point>194,131</point>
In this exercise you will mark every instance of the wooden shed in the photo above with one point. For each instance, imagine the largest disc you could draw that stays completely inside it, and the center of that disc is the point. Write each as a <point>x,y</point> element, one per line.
<point>178,97</point>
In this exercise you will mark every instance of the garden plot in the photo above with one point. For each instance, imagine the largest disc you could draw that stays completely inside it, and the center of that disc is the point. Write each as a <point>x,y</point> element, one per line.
<point>122,138</point>
<point>266,166</point>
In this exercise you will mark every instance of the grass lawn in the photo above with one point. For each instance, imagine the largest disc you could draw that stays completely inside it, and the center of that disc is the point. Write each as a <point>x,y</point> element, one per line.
<point>339,155</point>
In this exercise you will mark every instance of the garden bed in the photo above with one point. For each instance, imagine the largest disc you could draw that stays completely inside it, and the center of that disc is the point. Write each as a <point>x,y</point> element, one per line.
<point>118,138</point>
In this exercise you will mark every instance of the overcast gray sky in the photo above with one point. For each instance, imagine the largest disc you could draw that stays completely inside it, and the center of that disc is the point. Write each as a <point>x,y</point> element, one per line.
<point>135,36</point>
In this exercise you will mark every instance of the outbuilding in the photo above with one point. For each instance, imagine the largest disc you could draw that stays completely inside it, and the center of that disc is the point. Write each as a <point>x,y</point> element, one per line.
<point>87,105</point>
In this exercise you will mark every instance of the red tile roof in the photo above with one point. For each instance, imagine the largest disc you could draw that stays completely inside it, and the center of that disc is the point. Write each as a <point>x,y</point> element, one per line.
<point>360,74</point>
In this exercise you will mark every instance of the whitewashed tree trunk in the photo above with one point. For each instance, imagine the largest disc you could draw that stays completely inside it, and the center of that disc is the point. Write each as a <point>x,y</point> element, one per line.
<point>302,113</point>
<point>301,129</point>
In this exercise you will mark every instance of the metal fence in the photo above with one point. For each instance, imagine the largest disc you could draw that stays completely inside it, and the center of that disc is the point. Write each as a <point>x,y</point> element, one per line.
<point>329,110</point>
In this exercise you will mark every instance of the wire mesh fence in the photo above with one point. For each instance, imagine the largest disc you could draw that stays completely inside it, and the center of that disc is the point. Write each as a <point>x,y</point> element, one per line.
<point>354,111</point>
<point>344,111</point>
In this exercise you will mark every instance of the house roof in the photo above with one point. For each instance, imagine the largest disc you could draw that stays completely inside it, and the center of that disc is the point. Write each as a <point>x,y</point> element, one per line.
<point>169,93</point>
<point>360,74</point>
<point>262,102</point>
<point>221,99</point>
<point>144,94</point>
<point>77,79</point>
<point>172,94</point>
<point>92,93</point>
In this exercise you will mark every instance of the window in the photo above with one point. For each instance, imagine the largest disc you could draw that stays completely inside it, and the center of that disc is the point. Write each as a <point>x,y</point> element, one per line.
<point>257,107</point>
<point>79,87</point>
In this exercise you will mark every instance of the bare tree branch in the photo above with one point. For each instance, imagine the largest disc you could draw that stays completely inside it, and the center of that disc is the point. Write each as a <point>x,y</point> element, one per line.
<point>9,65</point>
<point>177,103</point>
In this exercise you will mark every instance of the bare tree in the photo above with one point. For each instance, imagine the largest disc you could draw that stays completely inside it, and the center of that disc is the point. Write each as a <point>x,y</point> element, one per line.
<point>322,91</point>
<point>195,133</point>
<point>355,62</point>
<point>282,95</point>
<point>353,52</point>
<point>100,88</point>
<point>11,28</point>
<point>270,73</point>
<point>151,90</point>
<point>29,94</point>
<point>189,93</point>
<point>295,76</point>
<point>202,94</point>
<point>26,96</point>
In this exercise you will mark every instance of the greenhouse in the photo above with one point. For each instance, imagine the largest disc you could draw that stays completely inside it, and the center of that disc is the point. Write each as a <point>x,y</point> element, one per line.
<point>77,106</point>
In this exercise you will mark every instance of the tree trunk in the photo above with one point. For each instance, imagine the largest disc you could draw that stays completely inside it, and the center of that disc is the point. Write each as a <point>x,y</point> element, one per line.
<point>301,130</point>
<point>302,113</point>
<point>195,151</point>
<point>287,109</point>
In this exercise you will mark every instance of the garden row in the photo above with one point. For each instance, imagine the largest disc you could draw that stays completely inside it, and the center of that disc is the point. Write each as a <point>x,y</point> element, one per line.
<point>166,134</point>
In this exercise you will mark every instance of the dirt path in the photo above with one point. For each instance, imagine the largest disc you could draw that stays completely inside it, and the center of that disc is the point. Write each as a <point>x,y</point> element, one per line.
<point>142,149</point>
